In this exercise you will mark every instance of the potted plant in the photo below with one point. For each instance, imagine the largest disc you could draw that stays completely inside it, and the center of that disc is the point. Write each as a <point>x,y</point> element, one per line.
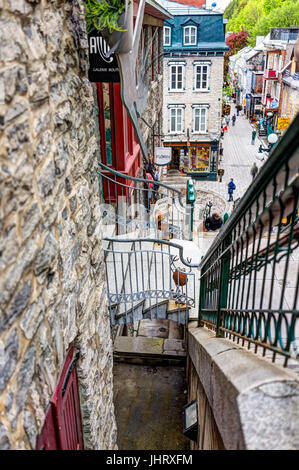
<point>114,19</point>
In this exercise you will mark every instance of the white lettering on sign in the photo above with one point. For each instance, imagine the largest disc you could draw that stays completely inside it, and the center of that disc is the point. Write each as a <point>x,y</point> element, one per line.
<point>162,155</point>
<point>97,45</point>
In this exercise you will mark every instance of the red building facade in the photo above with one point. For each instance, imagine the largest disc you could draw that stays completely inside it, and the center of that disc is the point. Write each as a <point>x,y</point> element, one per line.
<point>120,149</point>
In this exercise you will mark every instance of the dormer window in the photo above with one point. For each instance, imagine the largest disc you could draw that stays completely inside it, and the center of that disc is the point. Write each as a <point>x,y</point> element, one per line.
<point>190,36</point>
<point>167,36</point>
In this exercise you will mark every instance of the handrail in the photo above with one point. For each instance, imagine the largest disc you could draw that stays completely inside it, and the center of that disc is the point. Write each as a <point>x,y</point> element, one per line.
<point>141,180</point>
<point>154,240</point>
<point>274,162</point>
<point>248,286</point>
<point>159,206</point>
<point>143,275</point>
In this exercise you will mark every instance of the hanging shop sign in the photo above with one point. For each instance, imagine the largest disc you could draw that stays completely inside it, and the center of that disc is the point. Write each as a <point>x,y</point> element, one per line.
<point>102,67</point>
<point>283,123</point>
<point>162,155</point>
<point>274,104</point>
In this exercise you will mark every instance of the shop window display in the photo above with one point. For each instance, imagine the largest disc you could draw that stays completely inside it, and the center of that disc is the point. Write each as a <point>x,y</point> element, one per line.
<point>199,159</point>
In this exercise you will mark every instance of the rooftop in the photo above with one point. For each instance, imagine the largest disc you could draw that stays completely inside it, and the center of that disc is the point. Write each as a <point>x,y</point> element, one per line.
<point>177,8</point>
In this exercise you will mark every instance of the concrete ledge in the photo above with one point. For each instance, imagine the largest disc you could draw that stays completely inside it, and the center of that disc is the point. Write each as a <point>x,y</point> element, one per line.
<point>140,350</point>
<point>255,403</point>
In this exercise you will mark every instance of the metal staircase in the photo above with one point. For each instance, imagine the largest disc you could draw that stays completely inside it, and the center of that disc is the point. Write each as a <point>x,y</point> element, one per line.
<point>148,278</point>
<point>145,227</point>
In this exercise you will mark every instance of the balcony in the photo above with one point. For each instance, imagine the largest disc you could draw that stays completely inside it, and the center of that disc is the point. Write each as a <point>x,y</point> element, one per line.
<point>271,74</point>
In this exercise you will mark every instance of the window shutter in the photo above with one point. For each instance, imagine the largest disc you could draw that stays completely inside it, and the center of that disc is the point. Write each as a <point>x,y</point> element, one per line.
<point>67,406</point>
<point>48,438</point>
<point>62,429</point>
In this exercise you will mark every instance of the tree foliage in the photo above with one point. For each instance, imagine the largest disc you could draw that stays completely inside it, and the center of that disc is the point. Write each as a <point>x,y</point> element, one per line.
<point>258,16</point>
<point>236,42</point>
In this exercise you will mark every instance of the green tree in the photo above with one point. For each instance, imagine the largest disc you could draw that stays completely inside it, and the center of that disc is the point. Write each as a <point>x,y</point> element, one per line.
<point>258,16</point>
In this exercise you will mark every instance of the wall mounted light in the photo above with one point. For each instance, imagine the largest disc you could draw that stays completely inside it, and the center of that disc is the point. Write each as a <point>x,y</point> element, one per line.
<point>190,421</point>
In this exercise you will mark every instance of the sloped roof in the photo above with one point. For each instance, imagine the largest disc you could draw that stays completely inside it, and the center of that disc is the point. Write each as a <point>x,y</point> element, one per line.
<point>194,3</point>
<point>187,7</point>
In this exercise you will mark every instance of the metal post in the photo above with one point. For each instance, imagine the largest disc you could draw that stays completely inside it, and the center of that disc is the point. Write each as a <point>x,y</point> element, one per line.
<point>223,285</point>
<point>190,199</point>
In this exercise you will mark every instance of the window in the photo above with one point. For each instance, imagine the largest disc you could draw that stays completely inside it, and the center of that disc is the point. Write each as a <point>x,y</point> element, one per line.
<point>167,36</point>
<point>190,36</point>
<point>176,119</point>
<point>201,79</point>
<point>176,77</point>
<point>200,119</point>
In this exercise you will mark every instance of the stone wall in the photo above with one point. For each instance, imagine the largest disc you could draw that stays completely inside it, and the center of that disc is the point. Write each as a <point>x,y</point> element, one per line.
<point>51,260</point>
<point>152,113</point>
<point>250,403</point>
<point>212,97</point>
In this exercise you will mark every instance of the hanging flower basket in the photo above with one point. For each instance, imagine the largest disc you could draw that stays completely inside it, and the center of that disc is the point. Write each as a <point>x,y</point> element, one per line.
<point>114,19</point>
<point>180,278</point>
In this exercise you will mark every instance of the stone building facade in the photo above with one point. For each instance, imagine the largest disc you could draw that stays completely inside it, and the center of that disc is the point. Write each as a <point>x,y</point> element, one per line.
<point>52,291</point>
<point>194,47</point>
<point>151,122</point>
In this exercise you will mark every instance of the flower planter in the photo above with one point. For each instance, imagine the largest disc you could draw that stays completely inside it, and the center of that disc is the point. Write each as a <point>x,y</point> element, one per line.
<point>121,41</point>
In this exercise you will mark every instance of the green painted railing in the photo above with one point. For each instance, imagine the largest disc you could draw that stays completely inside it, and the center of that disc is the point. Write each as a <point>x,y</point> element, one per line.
<point>249,276</point>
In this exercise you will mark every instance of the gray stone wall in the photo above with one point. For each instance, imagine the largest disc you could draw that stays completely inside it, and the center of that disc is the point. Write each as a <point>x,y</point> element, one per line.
<point>51,260</point>
<point>154,88</point>
<point>254,403</point>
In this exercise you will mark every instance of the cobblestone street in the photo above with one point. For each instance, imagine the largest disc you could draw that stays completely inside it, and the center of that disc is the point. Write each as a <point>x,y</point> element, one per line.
<point>238,158</point>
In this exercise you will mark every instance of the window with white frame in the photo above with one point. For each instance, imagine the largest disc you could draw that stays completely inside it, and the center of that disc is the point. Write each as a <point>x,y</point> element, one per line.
<point>200,119</point>
<point>201,76</point>
<point>176,119</point>
<point>167,36</point>
<point>176,75</point>
<point>190,35</point>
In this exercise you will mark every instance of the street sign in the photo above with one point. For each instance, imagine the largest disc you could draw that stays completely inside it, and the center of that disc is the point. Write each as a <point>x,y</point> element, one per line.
<point>102,68</point>
<point>162,155</point>
<point>283,123</point>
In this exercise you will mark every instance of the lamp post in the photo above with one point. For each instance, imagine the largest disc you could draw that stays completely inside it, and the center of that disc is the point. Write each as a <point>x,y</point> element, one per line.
<point>272,139</point>
<point>214,136</point>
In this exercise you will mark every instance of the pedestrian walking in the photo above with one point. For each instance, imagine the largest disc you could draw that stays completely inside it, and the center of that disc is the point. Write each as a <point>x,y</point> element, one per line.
<point>234,119</point>
<point>227,119</point>
<point>150,188</point>
<point>253,136</point>
<point>156,186</point>
<point>231,187</point>
<point>238,110</point>
<point>149,167</point>
<point>254,170</point>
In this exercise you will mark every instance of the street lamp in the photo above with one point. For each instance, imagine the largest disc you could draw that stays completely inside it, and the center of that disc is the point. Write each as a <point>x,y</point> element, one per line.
<point>272,139</point>
<point>214,136</point>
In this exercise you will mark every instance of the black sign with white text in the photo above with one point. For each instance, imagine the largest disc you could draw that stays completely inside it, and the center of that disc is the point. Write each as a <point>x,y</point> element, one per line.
<point>102,68</point>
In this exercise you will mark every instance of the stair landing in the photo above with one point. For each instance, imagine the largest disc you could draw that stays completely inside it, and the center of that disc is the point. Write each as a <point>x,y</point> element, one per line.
<point>153,339</point>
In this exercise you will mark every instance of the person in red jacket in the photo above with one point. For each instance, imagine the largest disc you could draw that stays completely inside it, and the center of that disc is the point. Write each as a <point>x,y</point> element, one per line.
<point>150,187</point>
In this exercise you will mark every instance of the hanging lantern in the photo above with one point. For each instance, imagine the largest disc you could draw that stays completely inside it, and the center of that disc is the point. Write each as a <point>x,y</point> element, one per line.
<point>179,277</point>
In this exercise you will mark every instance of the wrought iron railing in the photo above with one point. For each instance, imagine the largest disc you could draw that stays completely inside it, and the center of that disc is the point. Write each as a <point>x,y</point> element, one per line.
<point>249,276</point>
<point>144,273</point>
<point>145,206</point>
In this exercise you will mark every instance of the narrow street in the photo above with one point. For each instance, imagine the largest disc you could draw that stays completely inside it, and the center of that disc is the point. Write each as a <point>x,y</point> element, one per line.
<point>238,158</point>
<point>140,310</point>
